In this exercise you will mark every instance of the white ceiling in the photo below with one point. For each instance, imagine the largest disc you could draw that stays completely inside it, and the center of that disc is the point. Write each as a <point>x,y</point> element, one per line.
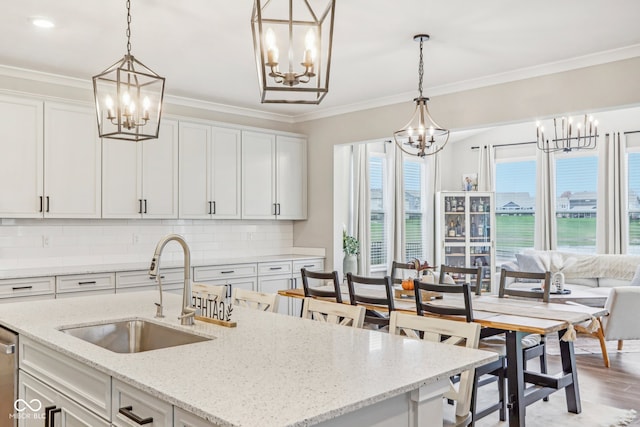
<point>204,47</point>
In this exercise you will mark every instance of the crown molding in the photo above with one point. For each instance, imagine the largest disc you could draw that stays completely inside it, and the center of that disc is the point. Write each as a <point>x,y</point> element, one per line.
<point>510,76</point>
<point>494,79</point>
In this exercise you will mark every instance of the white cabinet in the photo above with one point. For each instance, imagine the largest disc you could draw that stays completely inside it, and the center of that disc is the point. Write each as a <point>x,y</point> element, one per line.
<point>53,151</point>
<point>56,409</point>
<point>140,180</point>
<point>465,232</point>
<point>182,418</point>
<point>21,144</point>
<point>209,172</point>
<point>273,277</point>
<point>85,284</point>
<point>12,290</point>
<point>133,407</point>
<point>231,275</point>
<point>295,304</point>
<point>274,176</point>
<point>72,158</point>
<point>139,280</point>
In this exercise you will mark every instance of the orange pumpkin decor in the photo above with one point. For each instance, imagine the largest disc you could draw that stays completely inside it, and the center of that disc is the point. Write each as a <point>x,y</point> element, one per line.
<point>407,284</point>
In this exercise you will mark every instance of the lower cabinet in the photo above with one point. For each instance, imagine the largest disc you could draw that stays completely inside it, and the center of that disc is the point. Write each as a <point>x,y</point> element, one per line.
<point>182,418</point>
<point>48,407</point>
<point>139,280</point>
<point>132,407</point>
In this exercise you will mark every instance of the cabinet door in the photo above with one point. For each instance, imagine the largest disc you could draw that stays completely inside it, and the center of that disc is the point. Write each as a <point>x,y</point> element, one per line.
<point>160,173</point>
<point>121,183</point>
<point>225,173</point>
<point>273,284</point>
<point>195,193</point>
<point>21,144</point>
<point>72,162</point>
<point>291,169</point>
<point>182,418</point>
<point>258,176</point>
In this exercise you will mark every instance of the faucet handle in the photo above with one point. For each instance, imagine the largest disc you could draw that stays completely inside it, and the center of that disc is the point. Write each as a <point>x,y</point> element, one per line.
<point>188,315</point>
<point>159,310</point>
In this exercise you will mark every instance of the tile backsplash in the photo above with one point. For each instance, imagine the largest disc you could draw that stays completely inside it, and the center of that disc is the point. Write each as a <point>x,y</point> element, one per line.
<point>28,243</point>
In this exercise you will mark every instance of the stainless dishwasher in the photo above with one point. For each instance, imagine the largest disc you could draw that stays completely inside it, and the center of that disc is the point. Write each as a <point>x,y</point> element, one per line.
<point>8,376</point>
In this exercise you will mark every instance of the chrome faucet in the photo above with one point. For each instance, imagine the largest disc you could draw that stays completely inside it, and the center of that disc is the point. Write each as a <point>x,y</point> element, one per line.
<point>188,312</point>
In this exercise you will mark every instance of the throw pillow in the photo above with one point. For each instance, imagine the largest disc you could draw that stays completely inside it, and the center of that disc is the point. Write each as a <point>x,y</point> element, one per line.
<point>530,263</point>
<point>636,278</point>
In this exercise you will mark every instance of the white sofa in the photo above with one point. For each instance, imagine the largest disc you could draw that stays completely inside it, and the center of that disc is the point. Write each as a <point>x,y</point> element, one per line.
<point>583,274</point>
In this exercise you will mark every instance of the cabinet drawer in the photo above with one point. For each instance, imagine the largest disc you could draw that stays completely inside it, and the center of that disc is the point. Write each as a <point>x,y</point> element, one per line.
<point>90,388</point>
<point>280,267</point>
<point>129,279</point>
<point>182,418</point>
<point>309,264</point>
<point>215,272</point>
<point>10,288</point>
<point>129,403</point>
<point>85,282</point>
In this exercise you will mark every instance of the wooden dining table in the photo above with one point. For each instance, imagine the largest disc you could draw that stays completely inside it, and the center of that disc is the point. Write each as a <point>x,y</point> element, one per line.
<point>518,318</point>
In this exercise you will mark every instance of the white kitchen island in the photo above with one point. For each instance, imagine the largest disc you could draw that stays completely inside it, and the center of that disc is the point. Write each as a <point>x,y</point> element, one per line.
<point>271,370</point>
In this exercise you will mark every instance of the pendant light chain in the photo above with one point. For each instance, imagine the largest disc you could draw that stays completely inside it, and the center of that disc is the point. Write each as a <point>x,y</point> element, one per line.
<point>129,28</point>
<point>420,70</point>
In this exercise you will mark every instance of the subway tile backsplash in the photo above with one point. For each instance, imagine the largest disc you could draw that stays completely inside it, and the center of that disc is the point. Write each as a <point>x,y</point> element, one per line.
<point>28,243</point>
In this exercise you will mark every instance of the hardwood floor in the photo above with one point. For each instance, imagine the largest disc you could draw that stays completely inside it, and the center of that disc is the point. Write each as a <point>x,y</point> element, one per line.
<point>617,386</point>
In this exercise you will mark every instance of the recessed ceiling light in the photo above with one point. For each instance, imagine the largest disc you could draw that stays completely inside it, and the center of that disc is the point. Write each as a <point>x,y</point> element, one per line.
<point>41,22</point>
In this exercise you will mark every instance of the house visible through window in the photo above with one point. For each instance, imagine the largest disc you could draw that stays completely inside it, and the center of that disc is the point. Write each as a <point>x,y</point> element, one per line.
<point>515,207</point>
<point>378,208</point>
<point>576,202</point>
<point>413,208</point>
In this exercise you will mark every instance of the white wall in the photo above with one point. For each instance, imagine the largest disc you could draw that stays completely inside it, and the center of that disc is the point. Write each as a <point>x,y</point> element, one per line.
<point>28,243</point>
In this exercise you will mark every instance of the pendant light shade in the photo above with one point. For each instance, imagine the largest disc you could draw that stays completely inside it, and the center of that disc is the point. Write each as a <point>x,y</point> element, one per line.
<point>421,136</point>
<point>128,97</point>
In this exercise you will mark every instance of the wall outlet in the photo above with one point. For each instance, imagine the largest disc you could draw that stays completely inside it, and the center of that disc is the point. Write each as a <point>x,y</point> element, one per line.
<point>251,236</point>
<point>46,241</point>
<point>135,238</point>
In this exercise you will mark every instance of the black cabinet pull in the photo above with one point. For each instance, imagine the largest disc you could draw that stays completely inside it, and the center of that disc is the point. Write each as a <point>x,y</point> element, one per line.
<point>90,282</point>
<point>229,290</point>
<point>20,288</point>
<point>278,206</point>
<point>127,411</point>
<point>145,205</point>
<point>49,415</point>
<point>275,268</point>
<point>309,266</point>
<point>154,277</point>
<point>41,203</point>
<point>47,203</point>
<point>214,207</point>
<point>275,209</point>
<point>139,206</point>
<point>209,208</point>
<point>227,272</point>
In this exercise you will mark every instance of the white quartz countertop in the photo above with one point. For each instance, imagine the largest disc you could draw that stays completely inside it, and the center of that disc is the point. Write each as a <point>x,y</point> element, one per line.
<point>63,270</point>
<point>271,370</point>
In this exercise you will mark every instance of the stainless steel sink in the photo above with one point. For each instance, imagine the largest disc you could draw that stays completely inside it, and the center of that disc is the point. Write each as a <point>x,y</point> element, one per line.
<point>133,336</point>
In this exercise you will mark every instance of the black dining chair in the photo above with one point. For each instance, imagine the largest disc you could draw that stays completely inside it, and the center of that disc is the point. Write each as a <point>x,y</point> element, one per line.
<point>323,278</point>
<point>471,275</point>
<point>484,375</point>
<point>380,293</point>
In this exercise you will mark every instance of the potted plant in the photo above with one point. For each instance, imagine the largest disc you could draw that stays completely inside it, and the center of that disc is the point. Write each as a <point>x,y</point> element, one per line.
<point>351,248</point>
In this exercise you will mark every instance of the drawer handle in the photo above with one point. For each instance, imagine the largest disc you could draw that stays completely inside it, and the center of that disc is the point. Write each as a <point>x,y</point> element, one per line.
<point>127,411</point>
<point>21,288</point>
<point>309,265</point>
<point>48,415</point>
<point>275,268</point>
<point>154,277</point>
<point>227,272</point>
<point>90,282</point>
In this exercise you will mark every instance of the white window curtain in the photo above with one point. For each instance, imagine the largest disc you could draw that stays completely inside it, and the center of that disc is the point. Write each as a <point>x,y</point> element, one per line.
<point>612,225</point>
<point>360,220</point>
<point>545,218</point>
<point>433,186</point>
<point>398,250</point>
<point>486,161</point>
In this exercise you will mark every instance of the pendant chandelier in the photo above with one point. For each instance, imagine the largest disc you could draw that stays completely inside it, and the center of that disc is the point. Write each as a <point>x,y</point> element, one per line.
<point>569,136</point>
<point>422,136</point>
<point>304,34</point>
<point>128,97</point>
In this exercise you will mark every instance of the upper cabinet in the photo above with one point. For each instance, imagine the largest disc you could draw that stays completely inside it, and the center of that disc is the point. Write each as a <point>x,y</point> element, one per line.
<point>209,172</point>
<point>140,180</point>
<point>50,163</point>
<point>274,176</point>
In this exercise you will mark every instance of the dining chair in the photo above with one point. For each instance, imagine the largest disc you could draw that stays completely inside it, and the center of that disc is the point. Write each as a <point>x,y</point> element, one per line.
<point>398,267</point>
<point>204,296</point>
<point>255,300</point>
<point>366,291</point>
<point>534,285</point>
<point>448,332</point>
<point>323,277</point>
<point>462,307</point>
<point>333,312</point>
<point>471,275</point>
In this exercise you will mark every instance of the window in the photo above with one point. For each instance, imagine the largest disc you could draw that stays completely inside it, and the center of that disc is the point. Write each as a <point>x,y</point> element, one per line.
<point>515,207</point>
<point>413,208</point>
<point>378,207</point>
<point>576,203</point>
<point>633,184</point>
